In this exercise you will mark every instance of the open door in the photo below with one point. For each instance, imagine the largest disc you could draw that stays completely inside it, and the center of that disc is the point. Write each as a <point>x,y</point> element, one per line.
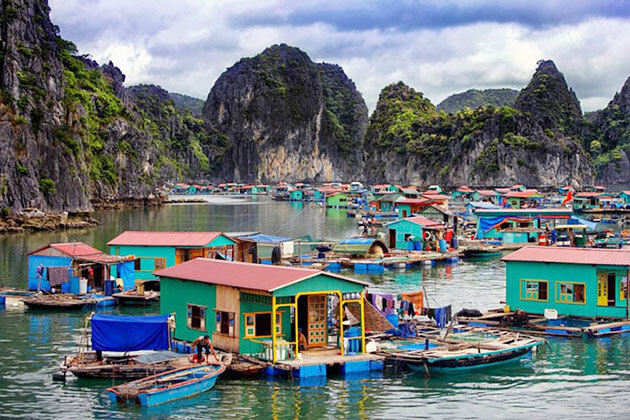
<point>316,334</point>
<point>611,289</point>
<point>602,289</point>
<point>392,238</point>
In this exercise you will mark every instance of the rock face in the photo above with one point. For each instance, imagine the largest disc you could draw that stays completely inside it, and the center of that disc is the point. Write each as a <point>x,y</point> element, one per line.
<point>71,135</point>
<point>408,141</point>
<point>474,98</point>
<point>285,118</point>
<point>610,140</point>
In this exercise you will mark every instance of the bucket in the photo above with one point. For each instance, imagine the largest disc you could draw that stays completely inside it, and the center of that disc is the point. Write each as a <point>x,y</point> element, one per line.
<point>506,309</point>
<point>83,286</point>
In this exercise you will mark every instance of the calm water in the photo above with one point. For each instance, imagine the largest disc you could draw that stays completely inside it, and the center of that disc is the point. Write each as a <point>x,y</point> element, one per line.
<point>570,378</point>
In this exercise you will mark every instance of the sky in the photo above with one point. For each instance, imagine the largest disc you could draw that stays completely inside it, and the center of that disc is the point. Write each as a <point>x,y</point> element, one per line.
<point>438,47</point>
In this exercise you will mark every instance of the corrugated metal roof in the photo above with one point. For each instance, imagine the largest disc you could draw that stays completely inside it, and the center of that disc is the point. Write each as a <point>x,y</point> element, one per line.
<point>72,249</point>
<point>571,255</point>
<point>156,238</point>
<point>588,194</point>
<point>520,212</point>
<point>242,275</point>
<point>435,196</point>
<point>424,222</point>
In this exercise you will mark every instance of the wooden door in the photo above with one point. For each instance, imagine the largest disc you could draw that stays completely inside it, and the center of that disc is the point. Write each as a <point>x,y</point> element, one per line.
<point>602,289</point>
<point>317,331</point>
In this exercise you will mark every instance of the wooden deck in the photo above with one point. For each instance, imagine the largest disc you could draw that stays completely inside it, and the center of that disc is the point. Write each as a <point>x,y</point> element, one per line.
<point>324,356</point>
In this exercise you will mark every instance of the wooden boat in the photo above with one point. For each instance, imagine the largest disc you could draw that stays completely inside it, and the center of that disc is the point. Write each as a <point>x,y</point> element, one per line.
<point>168,386</point>
<point>87,365</point>
<point>482,251</point>
<point>449,358</point>
<point>61,301</point>
<point>133,297</point>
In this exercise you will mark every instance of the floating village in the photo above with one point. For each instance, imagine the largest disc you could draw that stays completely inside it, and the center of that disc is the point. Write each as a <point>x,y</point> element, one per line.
<point>253,304</point>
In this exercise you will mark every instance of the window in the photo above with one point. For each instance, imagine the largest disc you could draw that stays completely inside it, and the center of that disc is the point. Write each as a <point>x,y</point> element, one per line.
<point>225,323</point>
<point>137,264</point>
<point>259,324</point>
<point>570,293</point>
<point>160,263</point>
<point>623,287</point>
<point>197,317</point>
<point>534,290</point>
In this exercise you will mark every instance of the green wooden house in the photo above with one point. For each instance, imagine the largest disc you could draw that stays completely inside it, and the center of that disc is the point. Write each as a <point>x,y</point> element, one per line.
<point>157,250</point>
<point>586,282</point>
<point>586,200</point>
<point>240,304</point>
<point>513,226</point>
<point>405,233</point>
<point>337,200</point>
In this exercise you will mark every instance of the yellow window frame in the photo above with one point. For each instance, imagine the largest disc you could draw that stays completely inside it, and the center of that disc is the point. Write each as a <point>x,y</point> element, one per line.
<point>558,295</point>
<point>536,299</point>
<point>252,327</point>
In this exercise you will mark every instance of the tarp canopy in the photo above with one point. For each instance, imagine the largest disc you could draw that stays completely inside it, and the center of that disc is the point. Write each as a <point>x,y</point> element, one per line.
<point>129,333</point>
<point>265,238</point>
<point>488,223</point>
<point>578,221</point>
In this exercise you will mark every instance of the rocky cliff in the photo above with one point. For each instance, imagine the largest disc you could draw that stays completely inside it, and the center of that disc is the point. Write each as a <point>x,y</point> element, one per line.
<point>408,141</point>
<point>474,98</point>
<point>286,118</point>
<point>71,135</point>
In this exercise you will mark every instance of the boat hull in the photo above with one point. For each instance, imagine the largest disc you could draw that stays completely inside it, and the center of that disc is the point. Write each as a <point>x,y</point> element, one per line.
<point>470,363</point>
<point>168,395</point>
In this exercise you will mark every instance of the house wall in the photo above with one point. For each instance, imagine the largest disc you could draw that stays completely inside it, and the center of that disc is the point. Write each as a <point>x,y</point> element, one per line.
<point>35,261</point>
<point>248,346</point>
<point>553,274</point>
<point>321,282</point>
<point>228,300</point>
<point>403,227</point>
<point>147,264</point>
<point>175,295</point>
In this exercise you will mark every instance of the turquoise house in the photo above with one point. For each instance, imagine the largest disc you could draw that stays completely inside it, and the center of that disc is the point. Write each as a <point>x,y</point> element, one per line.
<point>337,200</point>
<point>512,226</point>
<point>586,282</point>
<point>625,195</point>
<point>296,195</point>
<point>409,233</point>
<point>586,201</point>
<point>157,250</point>
<point>252,308</point>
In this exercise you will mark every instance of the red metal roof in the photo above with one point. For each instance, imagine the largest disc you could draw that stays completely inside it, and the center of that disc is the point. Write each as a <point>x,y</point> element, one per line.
<point>242,275</point>
<point>521,194</point>
<point>487,192</point>
<point>154,238</point>
<point>420,201</point>
<point>625,192</point>
<point>593,256</point>
<point>72,249</point>
<point>464,189</point>
<point>588,194</point>
<point>426,223</point>
<point>435,196</point>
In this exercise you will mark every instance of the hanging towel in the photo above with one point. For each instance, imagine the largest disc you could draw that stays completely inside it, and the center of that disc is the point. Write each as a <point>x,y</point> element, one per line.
<point>417,298</point>
<point>57,275</point>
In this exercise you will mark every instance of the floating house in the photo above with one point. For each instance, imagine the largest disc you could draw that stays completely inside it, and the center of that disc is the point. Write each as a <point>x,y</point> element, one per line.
<point>320,194</point>
<point>251,308</point>
<point>438,214</point>
<point>409,206</point>
<point>337,200</point>
<point>586,200</point>
<point>78,268</point>
<point>154,250</point>
<point>296,195</point>
<point>516,199</point>
<point>464,193</point>
<point>439,199</point>
<point>361,247</point>
<point>518,226</point>
<point>584,282</point>
<point>257,247</point>
<point>625,195</point>
<point>410,232</point>
<point>385,201</point>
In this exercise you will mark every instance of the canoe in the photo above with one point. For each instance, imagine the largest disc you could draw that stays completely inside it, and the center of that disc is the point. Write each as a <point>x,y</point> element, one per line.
<point>134,298</point>
<point>56,302</point>
<point>86,365</point>
<point>168,386</point>
<point>451,358</point>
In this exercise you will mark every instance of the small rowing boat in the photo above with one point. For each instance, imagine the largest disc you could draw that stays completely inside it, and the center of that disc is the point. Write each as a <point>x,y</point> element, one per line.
<point>167,386</point>
<point>133,297</point>
<point>61,301</point>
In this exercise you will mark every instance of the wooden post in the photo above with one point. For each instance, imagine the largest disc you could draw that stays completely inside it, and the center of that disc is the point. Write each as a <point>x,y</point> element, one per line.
<point>341,346</point>
<point>362,303</point>
<point>273,328</point>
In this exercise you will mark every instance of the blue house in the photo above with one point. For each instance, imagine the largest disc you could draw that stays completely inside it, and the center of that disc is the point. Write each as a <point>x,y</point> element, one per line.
<point>62,266</point>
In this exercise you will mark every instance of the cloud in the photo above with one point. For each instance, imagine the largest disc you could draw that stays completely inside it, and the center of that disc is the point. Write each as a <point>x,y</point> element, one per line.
<point>437,47</point>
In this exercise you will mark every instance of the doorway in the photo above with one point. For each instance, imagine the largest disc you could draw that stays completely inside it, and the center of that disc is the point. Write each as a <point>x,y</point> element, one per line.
<point>313,320</point>
<point>611,289</point>
<point>392,238</point>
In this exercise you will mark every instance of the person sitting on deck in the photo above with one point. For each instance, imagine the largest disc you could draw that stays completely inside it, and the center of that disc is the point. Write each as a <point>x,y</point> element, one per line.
<point>203,342</point>
<point>302,343</point>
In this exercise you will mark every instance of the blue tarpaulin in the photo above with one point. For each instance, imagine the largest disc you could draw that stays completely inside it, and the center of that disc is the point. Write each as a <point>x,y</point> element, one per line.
<point>577,221</point>
<point>129,333</point>
<point>265,238</point>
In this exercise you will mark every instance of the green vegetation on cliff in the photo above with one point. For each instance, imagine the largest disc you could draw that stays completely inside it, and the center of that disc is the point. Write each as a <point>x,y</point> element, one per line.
<point>475,98</point>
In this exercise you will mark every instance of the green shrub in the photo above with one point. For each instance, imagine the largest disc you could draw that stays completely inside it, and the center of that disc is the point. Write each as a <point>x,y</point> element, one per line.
<point>47,186</point>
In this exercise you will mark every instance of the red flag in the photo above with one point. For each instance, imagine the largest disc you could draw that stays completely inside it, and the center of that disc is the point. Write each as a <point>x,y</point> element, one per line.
<point>568,198</point>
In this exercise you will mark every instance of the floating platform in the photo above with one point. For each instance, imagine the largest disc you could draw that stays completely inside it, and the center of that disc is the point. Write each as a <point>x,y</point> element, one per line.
<point>571,327</point>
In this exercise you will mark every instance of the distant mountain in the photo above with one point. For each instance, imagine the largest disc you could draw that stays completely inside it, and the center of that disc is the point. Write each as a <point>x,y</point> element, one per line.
<point>475,98</point>
<point>187,103</point>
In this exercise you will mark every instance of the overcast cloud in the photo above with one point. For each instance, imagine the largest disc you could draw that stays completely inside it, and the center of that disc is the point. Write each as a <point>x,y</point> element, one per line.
<point>437,47</point>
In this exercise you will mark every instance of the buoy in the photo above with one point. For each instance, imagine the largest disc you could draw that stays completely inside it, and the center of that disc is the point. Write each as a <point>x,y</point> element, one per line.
<point>426,235</point>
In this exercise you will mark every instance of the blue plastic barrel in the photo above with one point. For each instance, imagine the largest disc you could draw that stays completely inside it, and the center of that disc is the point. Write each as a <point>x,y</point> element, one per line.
<point>109,287</point>
<point>417,245</point>
<point>3,301</point>
<point>443,245</point>
<point>410,246</point>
